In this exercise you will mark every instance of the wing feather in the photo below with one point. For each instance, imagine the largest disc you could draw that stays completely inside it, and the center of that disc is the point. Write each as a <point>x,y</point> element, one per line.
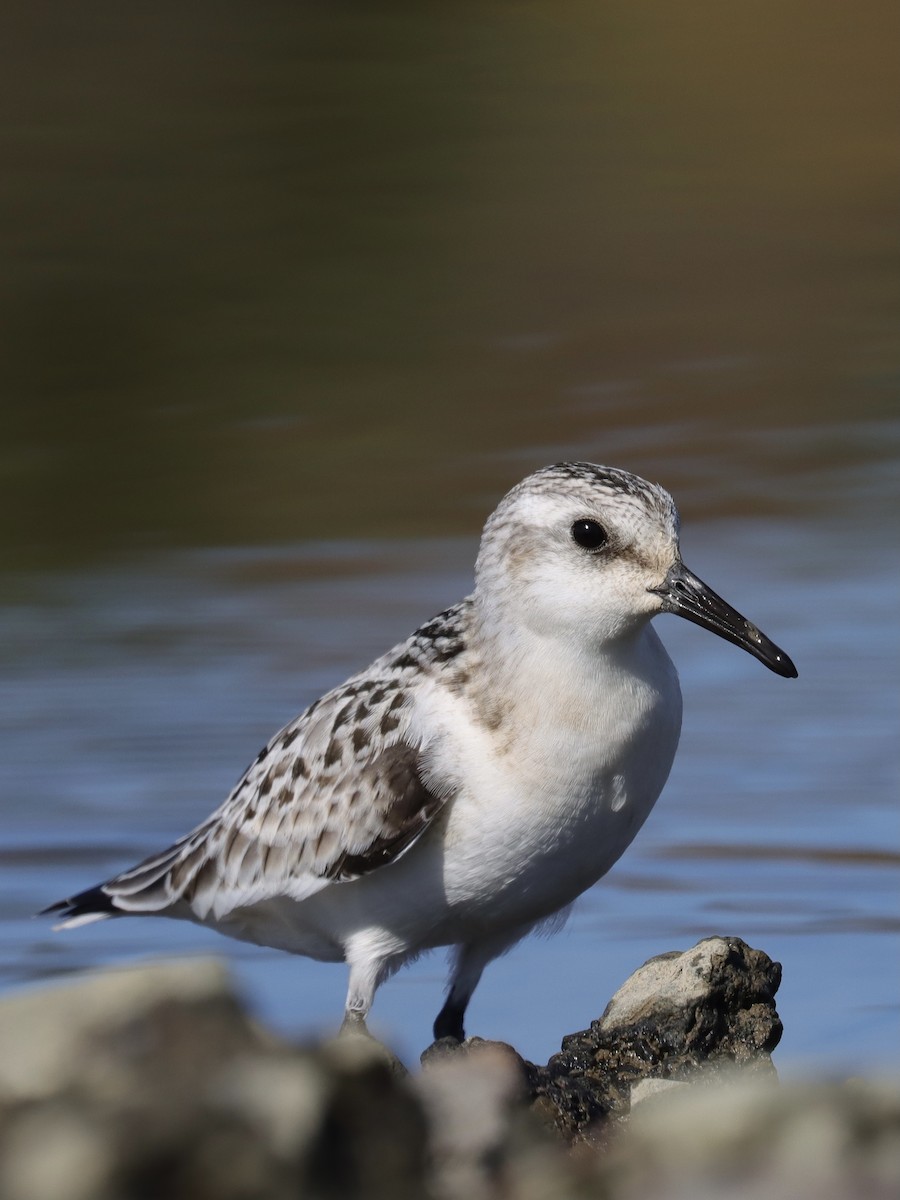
<point>334,795</point>
<point>339,792</point>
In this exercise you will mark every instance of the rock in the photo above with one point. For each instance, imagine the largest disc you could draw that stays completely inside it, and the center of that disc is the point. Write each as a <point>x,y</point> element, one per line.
<point>353,1047</point>
<point>48,1035</point>
<point>474,1049</point>
<point>473,1096</point>
<point>748,1139</point>
<point>712,1006</point>
<point>154,1082</point>
<point>53,1152</point>
<point>717,998</point>
<point>645,1089</point>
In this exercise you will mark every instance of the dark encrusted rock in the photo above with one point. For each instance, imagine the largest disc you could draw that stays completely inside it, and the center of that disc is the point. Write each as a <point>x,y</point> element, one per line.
<point>710,1007</point>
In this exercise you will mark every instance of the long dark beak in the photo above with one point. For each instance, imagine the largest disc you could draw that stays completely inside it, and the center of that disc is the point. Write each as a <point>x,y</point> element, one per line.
<point>687,596</point>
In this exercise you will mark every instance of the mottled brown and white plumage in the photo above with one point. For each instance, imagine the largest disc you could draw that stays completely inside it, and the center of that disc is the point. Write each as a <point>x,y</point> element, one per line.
<point>474,780</point>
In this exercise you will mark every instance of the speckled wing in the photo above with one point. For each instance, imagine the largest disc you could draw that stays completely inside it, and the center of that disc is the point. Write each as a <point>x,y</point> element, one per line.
<point>335,794</point>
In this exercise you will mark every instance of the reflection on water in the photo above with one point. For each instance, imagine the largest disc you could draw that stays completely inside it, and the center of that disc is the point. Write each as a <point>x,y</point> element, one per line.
<point>291,294</point>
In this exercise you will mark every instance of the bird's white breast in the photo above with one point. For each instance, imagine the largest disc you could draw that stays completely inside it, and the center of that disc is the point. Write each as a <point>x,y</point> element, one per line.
<point>547,803</point>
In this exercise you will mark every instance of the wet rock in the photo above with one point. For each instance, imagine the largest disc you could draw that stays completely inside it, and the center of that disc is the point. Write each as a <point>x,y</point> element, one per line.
<point>711,1007</point>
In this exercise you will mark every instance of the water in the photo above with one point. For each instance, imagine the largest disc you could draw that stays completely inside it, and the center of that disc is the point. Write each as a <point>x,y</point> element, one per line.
<point>134,696</point>
<point>279,333</point>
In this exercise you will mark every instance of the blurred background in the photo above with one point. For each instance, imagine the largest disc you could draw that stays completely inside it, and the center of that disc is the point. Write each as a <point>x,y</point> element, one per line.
<point>292,293</point>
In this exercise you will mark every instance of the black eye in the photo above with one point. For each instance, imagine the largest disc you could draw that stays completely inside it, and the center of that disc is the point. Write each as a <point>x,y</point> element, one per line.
<point>589,534</point>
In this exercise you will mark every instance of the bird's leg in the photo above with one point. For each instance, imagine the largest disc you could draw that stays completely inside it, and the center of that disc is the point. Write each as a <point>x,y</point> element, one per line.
<point>470,961</point>
<point>360,994</point>
<point>449,1021</point>
<point>368,969</point>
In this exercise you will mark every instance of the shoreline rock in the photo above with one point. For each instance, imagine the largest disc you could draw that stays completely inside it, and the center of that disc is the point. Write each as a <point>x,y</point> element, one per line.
<point>155,1081</point>
<point>710,1008</point>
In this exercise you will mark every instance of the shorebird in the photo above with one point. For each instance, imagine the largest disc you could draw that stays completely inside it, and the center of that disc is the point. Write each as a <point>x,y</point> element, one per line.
<point>472,782</point>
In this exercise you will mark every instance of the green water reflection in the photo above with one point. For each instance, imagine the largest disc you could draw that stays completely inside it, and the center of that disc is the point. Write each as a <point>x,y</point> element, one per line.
<point>284,271</point>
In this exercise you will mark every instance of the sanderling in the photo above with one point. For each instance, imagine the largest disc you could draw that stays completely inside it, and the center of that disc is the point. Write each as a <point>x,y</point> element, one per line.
<point>477,778</point>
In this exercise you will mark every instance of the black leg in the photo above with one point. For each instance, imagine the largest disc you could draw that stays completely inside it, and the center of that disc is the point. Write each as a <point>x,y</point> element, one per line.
<point>449,1022</point>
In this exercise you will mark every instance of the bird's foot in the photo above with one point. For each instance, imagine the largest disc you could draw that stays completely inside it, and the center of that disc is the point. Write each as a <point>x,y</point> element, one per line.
<point>354,1025</point>
<point>355,1038</point>
<point>449,1023</point>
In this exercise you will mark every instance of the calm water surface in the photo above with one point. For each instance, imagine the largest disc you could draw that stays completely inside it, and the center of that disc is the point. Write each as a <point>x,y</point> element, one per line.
<point>292,294</point>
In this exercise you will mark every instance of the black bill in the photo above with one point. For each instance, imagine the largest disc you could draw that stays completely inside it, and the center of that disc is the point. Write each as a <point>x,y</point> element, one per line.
<point>687,596</point>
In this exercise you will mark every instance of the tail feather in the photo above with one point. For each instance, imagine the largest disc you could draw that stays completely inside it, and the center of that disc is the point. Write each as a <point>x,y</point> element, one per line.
<point>143,888</point>
<point>94,904</point>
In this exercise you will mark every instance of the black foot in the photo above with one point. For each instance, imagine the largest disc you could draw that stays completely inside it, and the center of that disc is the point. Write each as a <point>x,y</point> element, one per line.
<point>449,1022</point>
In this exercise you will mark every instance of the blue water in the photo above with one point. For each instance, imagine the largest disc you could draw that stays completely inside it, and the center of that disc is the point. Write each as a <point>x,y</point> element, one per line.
<point>133,696</point>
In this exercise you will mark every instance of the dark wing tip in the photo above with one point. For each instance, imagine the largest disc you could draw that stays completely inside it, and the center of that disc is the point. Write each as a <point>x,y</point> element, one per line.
<point>93,900</point>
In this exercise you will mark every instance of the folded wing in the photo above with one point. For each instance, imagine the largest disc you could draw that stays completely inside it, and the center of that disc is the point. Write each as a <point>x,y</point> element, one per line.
<point>337,793</point>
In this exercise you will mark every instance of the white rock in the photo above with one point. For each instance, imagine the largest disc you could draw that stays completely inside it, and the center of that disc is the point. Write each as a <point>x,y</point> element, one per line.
<point>671,980</point>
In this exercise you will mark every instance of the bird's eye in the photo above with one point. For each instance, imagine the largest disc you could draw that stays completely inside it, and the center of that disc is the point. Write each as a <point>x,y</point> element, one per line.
<point>590,535</point>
